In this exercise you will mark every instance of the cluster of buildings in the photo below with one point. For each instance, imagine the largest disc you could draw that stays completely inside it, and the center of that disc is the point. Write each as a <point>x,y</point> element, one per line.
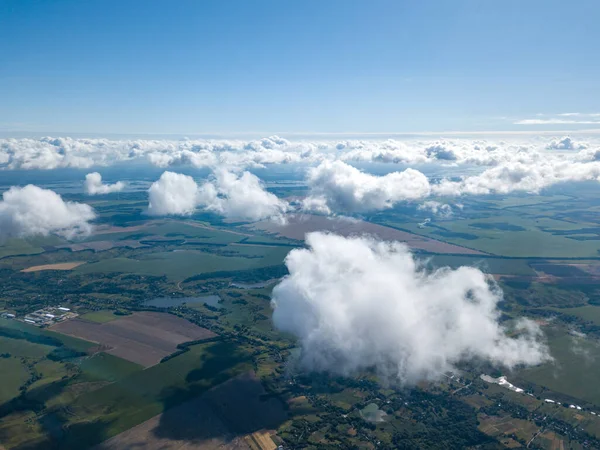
<point>44,317</point>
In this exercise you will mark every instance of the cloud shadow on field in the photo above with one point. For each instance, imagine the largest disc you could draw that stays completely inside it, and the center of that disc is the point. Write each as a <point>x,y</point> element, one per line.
<point>232,409</point>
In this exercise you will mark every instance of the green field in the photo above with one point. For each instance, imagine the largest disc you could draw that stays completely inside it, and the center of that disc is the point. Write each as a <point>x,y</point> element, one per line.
<point>175,229</point>
<point>68,341</point>
<point>526,201</point>
<point>182,264</point>
<point>23,349</point>
<point>530,242</point>
<point>488,265</point>
<point>102,316</point>
<point>104,412</point>
<point>12,375</point>
<point>106,367</point>
<point>588,312</point>
<point>28,354</point>
<point>575,368</point>
<point>29,246</point>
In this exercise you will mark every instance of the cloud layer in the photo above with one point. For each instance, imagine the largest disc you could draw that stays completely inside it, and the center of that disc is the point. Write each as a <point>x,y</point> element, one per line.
<point>53,153</point>
<point>232,195</point>
<point>355,304</point>
<point>514,163</point>
<point>93,185</point>
<point>31,211</point>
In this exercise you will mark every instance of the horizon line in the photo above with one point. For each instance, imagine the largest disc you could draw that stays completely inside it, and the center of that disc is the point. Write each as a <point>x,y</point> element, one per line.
<point>5,134</point>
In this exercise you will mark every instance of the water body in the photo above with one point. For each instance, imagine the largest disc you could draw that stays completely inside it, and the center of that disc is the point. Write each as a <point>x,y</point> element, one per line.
<point>170,302</point>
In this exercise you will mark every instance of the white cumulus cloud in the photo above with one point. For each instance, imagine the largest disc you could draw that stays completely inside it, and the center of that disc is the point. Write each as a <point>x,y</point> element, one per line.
<point>517,176</point>
<point>356,303</point>
<point>232,195</point>
<point>337,186</point>
<point>31,211</point>
<point>93,185</point>
<point>566,143</point>
<point>241,196</point>
<point>173,194</point>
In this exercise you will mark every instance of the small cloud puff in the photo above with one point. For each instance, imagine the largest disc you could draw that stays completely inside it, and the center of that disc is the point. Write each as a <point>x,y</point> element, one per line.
<point>566,143</point>
<point>93,185</point>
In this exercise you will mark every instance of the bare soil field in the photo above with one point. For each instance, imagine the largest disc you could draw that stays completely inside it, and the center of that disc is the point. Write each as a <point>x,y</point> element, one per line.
<point>298,226</point>
<point>226,417</point>
<point>143,337</point>
<point>58,266</point>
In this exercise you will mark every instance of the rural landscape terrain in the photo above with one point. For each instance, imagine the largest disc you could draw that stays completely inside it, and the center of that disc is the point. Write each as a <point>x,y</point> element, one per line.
<point>158,332</point>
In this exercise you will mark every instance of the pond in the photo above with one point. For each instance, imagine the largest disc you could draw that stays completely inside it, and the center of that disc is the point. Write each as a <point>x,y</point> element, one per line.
<point>170,302</point>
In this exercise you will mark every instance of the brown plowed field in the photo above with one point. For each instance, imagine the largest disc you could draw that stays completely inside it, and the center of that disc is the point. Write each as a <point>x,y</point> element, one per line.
<point>143,337</point>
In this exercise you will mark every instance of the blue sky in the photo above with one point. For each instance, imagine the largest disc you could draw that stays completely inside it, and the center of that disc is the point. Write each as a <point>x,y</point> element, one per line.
<point>192,67</point>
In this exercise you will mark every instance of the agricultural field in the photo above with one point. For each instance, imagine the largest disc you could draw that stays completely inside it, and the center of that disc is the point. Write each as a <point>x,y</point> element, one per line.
<point>101,316</point>
<point>15,247</point>
<point>182,264</point>
<point>297,227</point>
<point>552,226</point>
<point>513,237</point>
<point>104,410</point>
<point>587,312</point>
<point>222,417</point>
<point>574,369</point>
<point>142,337</point>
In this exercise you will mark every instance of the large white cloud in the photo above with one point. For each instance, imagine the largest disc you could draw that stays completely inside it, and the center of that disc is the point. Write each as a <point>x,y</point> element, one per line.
<point>173,194</point>
<point>355,303</point>
<point>93,185</point>
<point>31,211</point>
<point>337,186</point>
<point>232,195</point>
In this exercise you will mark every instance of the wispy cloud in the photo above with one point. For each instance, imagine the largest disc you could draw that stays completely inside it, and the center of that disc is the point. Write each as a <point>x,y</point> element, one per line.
<point>567,118</point>
<point>555,121</point>
<point>576,114</point>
